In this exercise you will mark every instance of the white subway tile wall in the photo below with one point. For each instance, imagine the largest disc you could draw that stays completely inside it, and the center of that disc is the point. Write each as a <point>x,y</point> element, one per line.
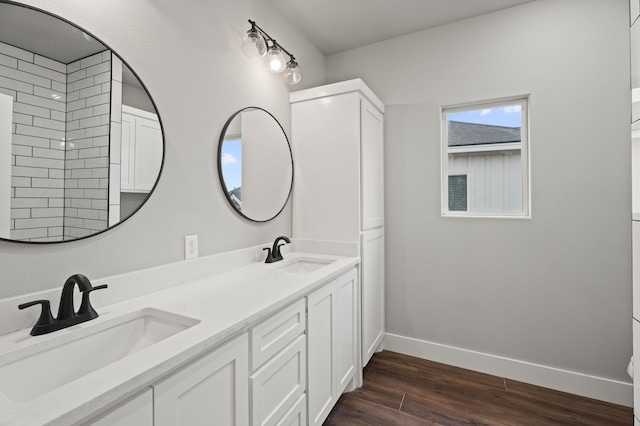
<point>60,144</point>
<point>87,155</point>
<point>115,141</point>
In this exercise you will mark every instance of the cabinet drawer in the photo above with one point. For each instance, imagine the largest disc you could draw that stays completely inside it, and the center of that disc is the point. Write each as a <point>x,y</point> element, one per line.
<point>297,416</point>
<point>276,333</point>
<point>278,385</point>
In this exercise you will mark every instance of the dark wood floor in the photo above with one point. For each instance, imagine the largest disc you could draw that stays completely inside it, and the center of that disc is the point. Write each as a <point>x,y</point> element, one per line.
<point>403,390</point>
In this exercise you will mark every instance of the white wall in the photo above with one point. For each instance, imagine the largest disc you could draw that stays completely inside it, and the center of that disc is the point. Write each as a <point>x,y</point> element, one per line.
<point>188,56</point>
<point>553,290</point>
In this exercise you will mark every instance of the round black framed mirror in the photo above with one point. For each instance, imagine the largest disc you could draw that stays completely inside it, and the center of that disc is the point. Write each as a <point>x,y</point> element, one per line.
<point>83,144</point>
<point>255,164</point>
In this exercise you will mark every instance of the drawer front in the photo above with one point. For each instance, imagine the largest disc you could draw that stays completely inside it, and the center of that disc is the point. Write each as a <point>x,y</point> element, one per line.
<point>278,385</point>
<point>297,416</point>
<point>276,333</point>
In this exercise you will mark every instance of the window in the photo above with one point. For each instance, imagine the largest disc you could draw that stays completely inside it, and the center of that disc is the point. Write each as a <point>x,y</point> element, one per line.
<point>458,195</point>
<point>485,169</point>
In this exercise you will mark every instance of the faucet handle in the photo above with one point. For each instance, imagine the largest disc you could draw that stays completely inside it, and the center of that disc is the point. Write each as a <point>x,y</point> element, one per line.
<point>85,305</point>
<point>45,320</point>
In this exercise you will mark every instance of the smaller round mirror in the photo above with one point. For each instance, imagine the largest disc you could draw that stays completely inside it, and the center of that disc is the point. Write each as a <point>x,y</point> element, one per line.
<point>255,164</point>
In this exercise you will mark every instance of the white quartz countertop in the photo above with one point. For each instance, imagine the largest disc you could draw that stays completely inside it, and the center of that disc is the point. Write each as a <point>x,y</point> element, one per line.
<point>226,304</point>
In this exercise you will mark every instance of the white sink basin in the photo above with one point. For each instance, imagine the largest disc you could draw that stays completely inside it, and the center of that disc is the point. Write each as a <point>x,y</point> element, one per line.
<point>305,265</point>
<point>34,375</point>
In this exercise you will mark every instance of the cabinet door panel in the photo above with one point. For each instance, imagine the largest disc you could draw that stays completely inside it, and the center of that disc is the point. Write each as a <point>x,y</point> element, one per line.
<point>345,332</point>
<point>372,166</point>
<point>320,325</point>
<point>635,253</point>
<point>141,150</point>
<point>148,153</point>
<point>636,367</point>
<point>326,146</point>
<point>211,390</point>
<point>277,386</point>
<point>372,292</point>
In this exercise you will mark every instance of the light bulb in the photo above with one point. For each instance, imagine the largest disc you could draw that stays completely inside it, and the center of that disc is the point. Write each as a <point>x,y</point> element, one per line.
<point>275,59</point>
<point>292,74</point>
<point>253,44</point>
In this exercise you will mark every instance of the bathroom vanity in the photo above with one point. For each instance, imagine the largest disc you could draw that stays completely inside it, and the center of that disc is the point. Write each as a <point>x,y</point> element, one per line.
<point>251,343</point>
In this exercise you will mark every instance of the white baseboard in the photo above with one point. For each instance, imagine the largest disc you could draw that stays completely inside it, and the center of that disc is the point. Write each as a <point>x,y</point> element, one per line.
<point>603,389</point>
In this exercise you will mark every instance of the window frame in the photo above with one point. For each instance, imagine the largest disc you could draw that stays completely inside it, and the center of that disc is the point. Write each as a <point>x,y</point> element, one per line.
<point>525,159</point>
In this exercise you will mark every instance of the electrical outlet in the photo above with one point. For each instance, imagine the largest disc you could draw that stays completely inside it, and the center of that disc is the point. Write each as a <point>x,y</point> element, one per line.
<point>190,246</point>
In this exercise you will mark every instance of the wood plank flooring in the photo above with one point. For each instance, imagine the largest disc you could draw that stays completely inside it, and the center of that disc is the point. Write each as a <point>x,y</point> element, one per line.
<point>403,390</point>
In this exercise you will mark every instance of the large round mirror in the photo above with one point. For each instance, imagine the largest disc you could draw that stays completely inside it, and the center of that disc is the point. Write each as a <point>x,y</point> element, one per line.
<point>255,164</point>
<point>81,143</point>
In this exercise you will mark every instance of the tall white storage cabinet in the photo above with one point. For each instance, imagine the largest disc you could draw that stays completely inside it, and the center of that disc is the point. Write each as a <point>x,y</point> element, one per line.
<point>634,9</point>
<point>338,193</point>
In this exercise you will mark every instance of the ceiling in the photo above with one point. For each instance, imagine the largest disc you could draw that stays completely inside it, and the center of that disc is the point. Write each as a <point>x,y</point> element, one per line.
<point>44,34</point>
<point>337,25</point>
<point>48,36</point>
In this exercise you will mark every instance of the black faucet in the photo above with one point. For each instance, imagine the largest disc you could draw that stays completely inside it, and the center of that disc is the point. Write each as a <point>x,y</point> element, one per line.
<point>66,313</point>
<point>273,254</point>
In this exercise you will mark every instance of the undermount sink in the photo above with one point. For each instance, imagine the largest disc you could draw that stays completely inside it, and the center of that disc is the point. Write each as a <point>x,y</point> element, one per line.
<point>305,265</point>
<point>34,375</point>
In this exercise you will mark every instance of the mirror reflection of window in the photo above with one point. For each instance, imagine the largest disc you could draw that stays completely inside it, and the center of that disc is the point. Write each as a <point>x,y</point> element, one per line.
<point>232,169</point>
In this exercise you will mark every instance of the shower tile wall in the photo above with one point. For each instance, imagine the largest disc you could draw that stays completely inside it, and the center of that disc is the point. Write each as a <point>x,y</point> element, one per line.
<point>87,157</point>
<point>47,110</point>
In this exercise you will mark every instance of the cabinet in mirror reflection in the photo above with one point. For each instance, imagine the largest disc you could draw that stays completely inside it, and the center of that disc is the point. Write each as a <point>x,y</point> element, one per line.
<point>63,107</point>
<point>255,165</point>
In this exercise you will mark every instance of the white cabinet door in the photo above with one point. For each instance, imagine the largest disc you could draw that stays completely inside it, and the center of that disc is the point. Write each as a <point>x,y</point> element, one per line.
<point>635,253</point>
<point>148,153</point>
<point>371,165</point>
<point>141,150</point>
<point>137,411</point>
<point>213,390</point>
<point>321,306</point>
<point>345,331</point>
<point>326,146</point>
<point>279,384</point>
<point>636,368</point>
<point>331,331</point>
<point>372,292</point>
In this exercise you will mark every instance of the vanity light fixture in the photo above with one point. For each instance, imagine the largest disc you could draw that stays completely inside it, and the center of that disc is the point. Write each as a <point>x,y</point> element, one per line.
<point>257,43</point>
